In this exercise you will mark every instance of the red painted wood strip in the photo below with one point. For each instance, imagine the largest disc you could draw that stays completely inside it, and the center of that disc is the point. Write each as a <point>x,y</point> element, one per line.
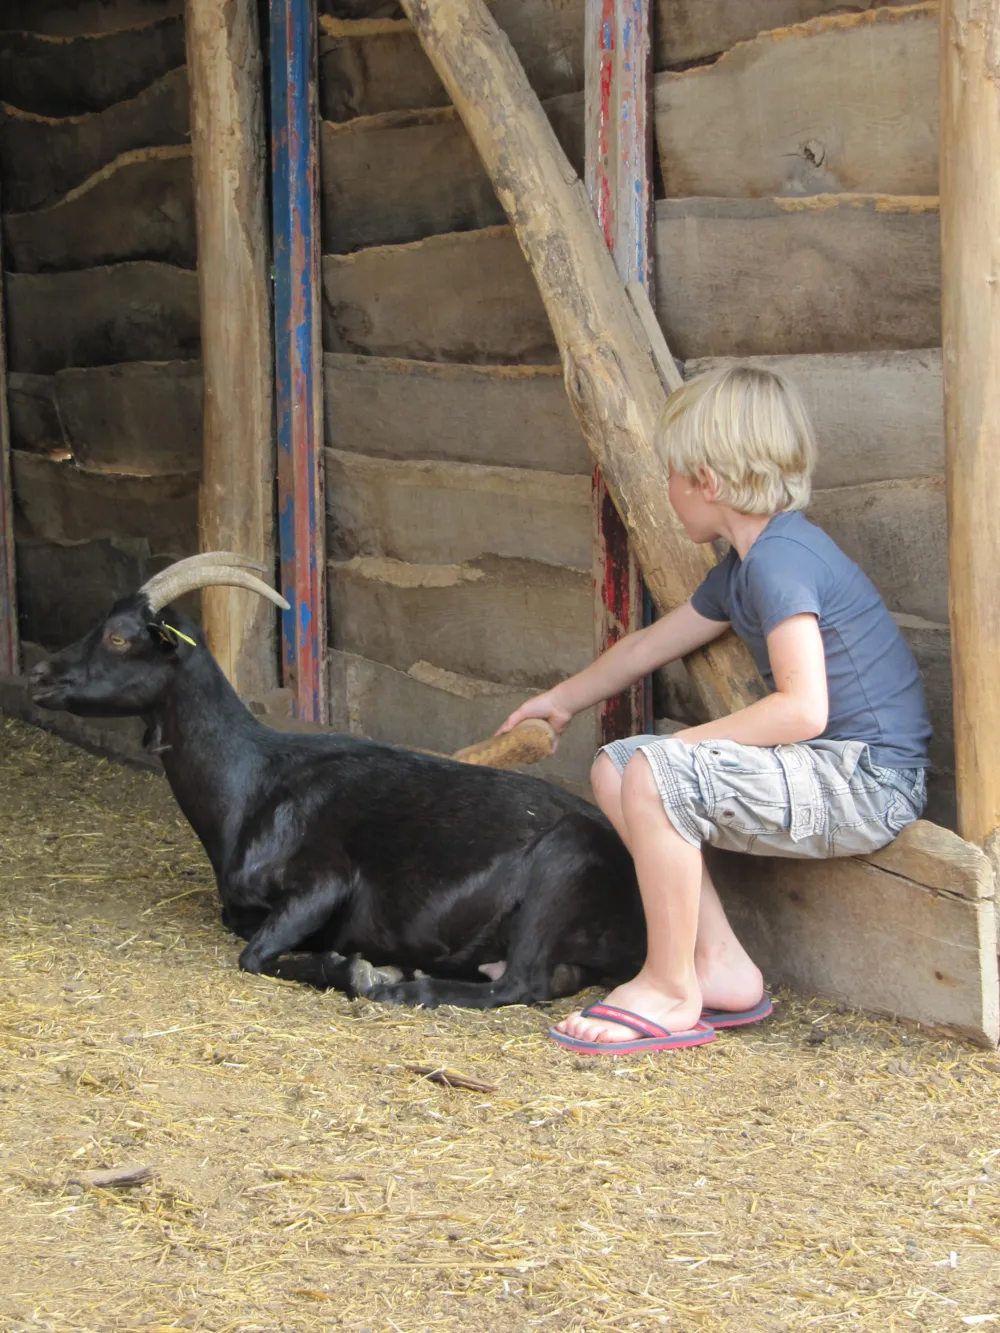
<point>618,174</point>
<point>298,354</point>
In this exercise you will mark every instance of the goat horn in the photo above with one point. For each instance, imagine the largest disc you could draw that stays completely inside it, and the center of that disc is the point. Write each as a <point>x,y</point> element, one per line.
<point>198,572</point>
<point>206,558</point>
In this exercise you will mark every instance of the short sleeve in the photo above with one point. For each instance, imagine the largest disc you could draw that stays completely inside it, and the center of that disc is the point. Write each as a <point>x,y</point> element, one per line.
<point>712,598</point>
<point>784,579</point>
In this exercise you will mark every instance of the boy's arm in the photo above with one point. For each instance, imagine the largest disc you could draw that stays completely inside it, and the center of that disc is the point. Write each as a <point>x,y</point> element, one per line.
<point>678,633</point>
<point>799,707</point>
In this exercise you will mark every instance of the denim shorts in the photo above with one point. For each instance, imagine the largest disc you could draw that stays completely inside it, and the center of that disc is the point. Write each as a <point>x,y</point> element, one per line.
<point>820,799</point>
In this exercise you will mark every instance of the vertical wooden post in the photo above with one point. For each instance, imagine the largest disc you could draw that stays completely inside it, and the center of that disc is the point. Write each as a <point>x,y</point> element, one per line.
<point>970,283</point>
<point>10,655</point>
<point>225,76</point>
<point>617,174</point>
<point>298,351</point>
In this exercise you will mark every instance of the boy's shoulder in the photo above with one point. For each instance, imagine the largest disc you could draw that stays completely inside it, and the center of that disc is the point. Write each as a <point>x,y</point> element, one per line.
<point>790,544</point>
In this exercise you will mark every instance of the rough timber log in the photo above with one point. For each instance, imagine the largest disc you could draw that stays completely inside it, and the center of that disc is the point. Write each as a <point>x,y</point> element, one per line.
<point>610,375</point>
<point>970,252</point>
<point>225,71</point>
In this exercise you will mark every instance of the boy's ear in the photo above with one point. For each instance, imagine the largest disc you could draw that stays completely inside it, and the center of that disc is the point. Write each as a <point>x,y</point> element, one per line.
<point>708,484</point>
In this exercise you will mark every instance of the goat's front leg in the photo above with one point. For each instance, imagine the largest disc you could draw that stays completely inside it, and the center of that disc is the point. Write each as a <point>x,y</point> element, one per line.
<point>291,922</point>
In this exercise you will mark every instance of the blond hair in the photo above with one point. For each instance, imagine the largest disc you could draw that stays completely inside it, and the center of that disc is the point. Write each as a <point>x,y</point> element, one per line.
<point>747,428</point>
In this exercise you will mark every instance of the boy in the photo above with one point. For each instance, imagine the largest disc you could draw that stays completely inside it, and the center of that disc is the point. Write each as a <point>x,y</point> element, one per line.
<point>832,762</point>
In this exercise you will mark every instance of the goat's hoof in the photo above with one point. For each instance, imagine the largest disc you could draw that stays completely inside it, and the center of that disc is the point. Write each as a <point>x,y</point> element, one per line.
<point>420,992</point>
<point>249,962</point>
<point>386,994</point>
<point>363,976</point>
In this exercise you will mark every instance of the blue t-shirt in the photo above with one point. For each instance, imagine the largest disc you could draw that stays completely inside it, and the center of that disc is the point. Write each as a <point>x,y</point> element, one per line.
<point>876,694</point>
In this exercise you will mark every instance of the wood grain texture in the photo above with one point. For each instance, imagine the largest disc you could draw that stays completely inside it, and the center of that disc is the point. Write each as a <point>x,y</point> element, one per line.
<point>508,416</point>
<point>840,104</point>
<point>74,18</point>
<point>970,201</point>
<point>230,170</point>
<point>618,179</point>
<point>100,316</point>
<point>367,68</point>
<point>43,158</point>
<point>444,512</point>
<point>140,206</point>
<point>60,502</point>
<point>689,30</point>
<point>143,417</point>
<point>370,64</point>
<point>371,60</point>
<point>34,417</point>
<point>829,273</point>
<point>69,76</point>
<point>467,296</point>
<point>513,621</point>
<point>872,937</point>
<point>404,175</point>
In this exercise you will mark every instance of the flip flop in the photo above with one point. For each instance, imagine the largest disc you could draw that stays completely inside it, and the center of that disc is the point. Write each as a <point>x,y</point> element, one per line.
<point>652,1037</point>
<point>738,1018</point>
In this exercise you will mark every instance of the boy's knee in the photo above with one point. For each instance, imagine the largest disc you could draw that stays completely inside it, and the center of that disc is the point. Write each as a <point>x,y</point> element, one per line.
<point>639,787</point>
<point>605,779</point>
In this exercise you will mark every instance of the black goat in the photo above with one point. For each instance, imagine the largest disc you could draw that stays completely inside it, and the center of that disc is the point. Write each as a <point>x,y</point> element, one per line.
<point>332,847</point>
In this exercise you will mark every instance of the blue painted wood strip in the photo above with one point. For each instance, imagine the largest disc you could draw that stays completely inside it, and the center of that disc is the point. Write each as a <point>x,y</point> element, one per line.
<point>298,351</point>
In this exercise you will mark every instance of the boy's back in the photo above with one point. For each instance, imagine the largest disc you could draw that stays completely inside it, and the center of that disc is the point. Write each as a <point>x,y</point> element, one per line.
<point>876,694</point>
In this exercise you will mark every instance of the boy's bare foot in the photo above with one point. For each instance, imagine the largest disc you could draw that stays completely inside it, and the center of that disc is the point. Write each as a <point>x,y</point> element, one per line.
<point>725,980</point>
<point>639,997</point>
<point>728,979</point>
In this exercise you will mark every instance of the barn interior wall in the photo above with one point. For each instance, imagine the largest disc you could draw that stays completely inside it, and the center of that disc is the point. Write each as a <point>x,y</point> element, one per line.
<point>796,220</point>
<point>101,303</point>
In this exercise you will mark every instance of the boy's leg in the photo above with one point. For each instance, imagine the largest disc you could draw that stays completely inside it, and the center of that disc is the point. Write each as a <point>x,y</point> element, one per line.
<point>693,957</point>
<point>728,976</point>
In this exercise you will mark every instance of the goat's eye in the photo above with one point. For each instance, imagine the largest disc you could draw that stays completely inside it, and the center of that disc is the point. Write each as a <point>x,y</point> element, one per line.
<point>117,640</point>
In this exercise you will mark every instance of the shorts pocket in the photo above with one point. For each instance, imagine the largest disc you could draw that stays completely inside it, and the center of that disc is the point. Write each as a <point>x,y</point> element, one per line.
<point>804,797</point>
<point>745,787</point>
<point>899,814</point>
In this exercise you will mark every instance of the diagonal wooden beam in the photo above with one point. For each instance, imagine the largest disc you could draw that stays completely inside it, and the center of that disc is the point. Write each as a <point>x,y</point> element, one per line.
<point>607,358</point>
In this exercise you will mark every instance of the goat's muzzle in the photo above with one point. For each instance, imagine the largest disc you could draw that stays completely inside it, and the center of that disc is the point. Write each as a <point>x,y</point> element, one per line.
<point>44,685</point>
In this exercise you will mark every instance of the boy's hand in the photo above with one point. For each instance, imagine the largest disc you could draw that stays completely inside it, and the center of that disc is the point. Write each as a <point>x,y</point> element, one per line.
<point>545,706</point>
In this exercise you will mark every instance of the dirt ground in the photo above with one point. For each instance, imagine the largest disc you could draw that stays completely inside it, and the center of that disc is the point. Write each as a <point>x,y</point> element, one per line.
<point>823,1170</point>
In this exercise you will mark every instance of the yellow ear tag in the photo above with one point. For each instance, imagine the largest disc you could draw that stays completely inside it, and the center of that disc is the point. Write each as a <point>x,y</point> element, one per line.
<point>179,634</point>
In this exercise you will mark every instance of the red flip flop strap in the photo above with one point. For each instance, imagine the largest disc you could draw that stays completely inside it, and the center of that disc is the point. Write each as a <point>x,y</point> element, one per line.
<point>627,1019</point>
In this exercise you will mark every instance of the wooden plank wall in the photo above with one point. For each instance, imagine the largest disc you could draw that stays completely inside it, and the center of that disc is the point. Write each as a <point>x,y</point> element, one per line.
<point>458,484</point>
<point>801,174</point>
<point>104,382</point>
<point>816,245</point>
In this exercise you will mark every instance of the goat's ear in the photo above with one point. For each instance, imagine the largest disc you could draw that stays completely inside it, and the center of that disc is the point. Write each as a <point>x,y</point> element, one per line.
<point>161,637</point>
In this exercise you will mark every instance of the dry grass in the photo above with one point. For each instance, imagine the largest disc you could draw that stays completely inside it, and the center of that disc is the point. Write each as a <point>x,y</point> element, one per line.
<point>821,1171</point>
